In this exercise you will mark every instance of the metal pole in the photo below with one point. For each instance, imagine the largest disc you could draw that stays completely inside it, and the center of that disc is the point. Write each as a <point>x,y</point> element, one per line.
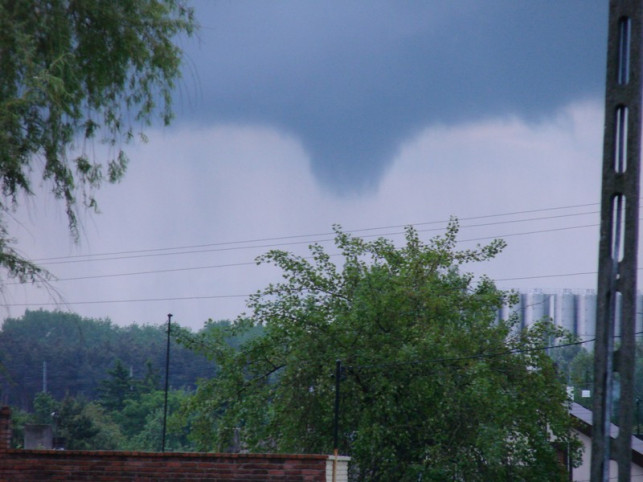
<point>638,416</point>
<point>338,376</point>
<point>618,248</point>
<point>167,379</point>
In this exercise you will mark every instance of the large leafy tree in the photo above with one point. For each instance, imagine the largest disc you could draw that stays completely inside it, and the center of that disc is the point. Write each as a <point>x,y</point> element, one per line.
<point>434,386</point>
<point>74,71</point>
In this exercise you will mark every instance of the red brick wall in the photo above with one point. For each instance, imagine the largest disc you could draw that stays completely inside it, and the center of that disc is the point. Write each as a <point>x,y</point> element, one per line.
<point>5,428</point>
<point>42,465</point>
<point>96,466</point>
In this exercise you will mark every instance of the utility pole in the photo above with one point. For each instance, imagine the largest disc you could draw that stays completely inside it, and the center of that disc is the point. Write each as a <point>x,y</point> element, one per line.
<point>338,379</point>
<point>618,246</point>
<point>167,379</point>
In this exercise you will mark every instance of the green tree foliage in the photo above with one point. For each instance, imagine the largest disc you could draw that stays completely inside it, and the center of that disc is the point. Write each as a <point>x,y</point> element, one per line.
<point>74,425</point>
<point>117,388</point>
<point>45,408</point>
<point>104,381</point>
<point>133,421</point>
<point>109,435</point>
<point>74,71</point>
<point>579,374</point>
<point>136,407</point>
<point>80,351</point>
<point>83,425</point>
<point>144,420</point>
<point>19,418</point>
<point>434,386</point>
<point>152,379</point>
<point>576,369</point>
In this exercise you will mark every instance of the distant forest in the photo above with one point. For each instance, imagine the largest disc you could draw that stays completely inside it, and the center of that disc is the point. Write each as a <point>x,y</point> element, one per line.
<point>70,356</point>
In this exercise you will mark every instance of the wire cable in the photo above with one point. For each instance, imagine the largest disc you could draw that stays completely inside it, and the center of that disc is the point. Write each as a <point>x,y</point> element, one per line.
<point>226,246</point>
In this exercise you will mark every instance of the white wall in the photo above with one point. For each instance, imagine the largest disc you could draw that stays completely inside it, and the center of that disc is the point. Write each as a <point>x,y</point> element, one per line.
<point>582,473</point>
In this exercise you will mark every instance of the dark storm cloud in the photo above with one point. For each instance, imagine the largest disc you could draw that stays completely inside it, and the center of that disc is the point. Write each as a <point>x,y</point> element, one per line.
<point>353,79</point>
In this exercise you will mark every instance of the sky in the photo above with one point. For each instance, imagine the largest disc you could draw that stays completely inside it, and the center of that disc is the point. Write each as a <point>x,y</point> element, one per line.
<point>293,116</point>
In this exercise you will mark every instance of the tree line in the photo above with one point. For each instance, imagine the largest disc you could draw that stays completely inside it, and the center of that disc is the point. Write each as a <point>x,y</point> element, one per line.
<point>69,355</point>
<point>102,388</point>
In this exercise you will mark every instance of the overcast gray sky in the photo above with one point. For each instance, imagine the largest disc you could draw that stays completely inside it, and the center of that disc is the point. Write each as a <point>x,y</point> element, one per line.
<point>295,115</point>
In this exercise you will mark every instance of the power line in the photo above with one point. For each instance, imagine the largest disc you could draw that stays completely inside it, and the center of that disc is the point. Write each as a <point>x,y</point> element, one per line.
<point>140,300</point>
<point>86,258</point>
<point>558,275</point>
<point>157,271</point>
<point>539,231</point>
<point>230,245</point>
<point>251,263</point>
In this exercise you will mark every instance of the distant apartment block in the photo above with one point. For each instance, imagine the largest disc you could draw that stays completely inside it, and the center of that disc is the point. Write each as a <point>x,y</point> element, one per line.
<point>573,310</point>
